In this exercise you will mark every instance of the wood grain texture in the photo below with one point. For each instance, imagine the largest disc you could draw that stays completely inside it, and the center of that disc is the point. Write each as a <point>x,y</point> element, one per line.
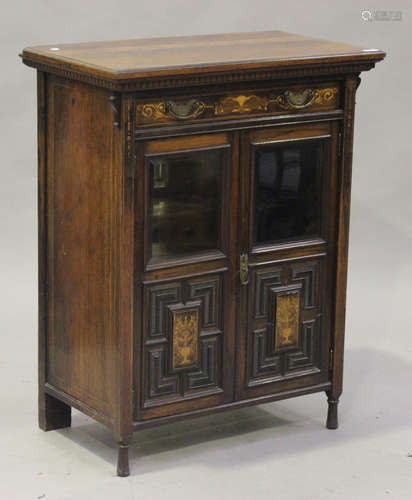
<point>135,343</point>
<point>42,239</point>
<point>123,192</point>
<point>217,107</point>
<point>148,57</point>
<point>243,403</point>
<point>273,269</point>
<point>81,343</point>
<point>185,338</point>
<point>287,320</point>
<point>177,283</point>
<point>342,241</point>
<point>53,413</point>
<point>179,61</point>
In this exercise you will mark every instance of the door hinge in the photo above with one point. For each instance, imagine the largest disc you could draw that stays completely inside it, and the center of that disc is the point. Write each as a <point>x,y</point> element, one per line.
<point>340,144</point>
<point>331,360</point>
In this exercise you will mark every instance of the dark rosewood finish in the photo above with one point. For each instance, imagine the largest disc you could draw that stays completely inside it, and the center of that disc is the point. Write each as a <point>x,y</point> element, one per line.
<point>193,205</point>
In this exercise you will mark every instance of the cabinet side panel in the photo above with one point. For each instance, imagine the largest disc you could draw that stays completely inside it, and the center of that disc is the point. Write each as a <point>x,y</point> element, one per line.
<point>81,222</point>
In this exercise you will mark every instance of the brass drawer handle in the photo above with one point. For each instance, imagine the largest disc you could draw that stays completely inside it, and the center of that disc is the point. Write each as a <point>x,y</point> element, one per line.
<point>185,110</point>
<point>244,269</point>
<point>299,100</point>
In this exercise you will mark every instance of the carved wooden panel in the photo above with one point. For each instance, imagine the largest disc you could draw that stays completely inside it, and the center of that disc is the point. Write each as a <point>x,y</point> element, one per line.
<point>183,339</point>
<point>209,293</point>
<point>285,320</point>
<point>207,375</point>
<point>265,362</point>
<point>307,272</point>
<point>160,298</point>
<point>276,101</point>
<point>159,383</point>
<point>305,356</point>
<point>265,283</point>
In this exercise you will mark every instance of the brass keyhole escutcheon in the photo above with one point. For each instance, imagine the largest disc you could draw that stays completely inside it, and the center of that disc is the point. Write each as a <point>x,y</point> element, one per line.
<point>244,269</point>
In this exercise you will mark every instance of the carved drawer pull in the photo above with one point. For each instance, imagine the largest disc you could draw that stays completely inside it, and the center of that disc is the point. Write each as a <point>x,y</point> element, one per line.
<point>299,100</point>
<point>185,110</point>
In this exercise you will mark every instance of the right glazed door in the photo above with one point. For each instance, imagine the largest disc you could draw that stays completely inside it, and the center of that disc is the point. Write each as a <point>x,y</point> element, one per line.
<point>287,257</point>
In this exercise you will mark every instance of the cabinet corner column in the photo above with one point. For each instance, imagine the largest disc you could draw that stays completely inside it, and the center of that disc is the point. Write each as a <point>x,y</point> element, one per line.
<point>351,84</point>
<point>124,259</point>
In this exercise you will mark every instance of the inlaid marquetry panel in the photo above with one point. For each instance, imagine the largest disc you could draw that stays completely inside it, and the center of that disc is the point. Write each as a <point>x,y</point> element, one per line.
<point>285,320</point>
<point>183,338</point>
<point>185,335</point>
<point>276,101</point>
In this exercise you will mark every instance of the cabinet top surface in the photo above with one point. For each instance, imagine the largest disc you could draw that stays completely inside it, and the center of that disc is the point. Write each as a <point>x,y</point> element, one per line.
<point>151,57</point>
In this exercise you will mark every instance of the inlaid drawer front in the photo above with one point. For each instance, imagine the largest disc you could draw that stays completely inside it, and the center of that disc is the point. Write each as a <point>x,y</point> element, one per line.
<point>279,101</point>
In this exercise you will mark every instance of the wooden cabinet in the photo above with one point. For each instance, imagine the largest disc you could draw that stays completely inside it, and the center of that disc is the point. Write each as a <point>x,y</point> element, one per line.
<point>193,224</point>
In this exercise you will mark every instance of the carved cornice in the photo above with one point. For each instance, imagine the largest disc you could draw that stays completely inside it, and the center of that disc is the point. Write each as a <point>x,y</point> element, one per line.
<point>171,81</point>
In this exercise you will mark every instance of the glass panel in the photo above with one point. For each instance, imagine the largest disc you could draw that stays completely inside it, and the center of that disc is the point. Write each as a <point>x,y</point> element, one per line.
<point>184,204</point>
<point>288,192</point>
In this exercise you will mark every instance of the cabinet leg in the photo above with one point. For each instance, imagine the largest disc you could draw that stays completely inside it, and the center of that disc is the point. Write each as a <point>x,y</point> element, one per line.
<point>332,421</point>
<point>53,413</point>
<point>123,460</point>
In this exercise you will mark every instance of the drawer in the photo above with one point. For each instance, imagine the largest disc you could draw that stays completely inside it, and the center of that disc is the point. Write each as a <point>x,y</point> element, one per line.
<point>276,101</point>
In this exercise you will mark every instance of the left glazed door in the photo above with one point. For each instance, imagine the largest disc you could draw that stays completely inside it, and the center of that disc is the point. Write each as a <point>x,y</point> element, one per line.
<point>188,189</point>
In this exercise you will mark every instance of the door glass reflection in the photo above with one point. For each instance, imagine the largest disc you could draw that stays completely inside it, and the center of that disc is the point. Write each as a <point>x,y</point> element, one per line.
<point>184,204</point>
<point>287,192</point>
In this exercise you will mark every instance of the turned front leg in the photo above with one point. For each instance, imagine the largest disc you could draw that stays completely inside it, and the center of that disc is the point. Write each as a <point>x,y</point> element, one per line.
<point>123,469</point>
<point>332,420</point>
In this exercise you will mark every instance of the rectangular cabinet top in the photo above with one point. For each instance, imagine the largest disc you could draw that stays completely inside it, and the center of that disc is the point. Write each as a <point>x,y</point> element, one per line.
<point>125,60</point>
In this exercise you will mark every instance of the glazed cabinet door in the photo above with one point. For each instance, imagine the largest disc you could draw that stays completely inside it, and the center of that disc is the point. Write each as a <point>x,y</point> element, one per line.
<point>286,256</point>
<point>188,189</point>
